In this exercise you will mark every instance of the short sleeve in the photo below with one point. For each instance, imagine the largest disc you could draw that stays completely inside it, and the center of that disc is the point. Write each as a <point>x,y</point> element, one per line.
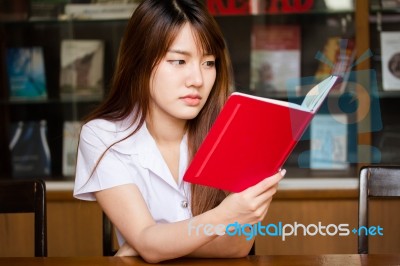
<point>98,168</point>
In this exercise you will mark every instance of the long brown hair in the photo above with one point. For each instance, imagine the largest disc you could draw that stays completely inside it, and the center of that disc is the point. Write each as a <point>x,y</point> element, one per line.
<point>148,35</point>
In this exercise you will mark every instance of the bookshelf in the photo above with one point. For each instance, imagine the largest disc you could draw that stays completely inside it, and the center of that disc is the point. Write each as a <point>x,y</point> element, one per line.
<point>318,22</point>
<point>384,17</point>
<point>49,34</point>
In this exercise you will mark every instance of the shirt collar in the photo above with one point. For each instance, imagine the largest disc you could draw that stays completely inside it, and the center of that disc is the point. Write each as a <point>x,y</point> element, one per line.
<point>144,146</point>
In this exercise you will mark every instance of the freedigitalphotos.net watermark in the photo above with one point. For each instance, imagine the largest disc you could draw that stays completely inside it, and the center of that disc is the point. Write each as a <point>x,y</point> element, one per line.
<point>281,230</point>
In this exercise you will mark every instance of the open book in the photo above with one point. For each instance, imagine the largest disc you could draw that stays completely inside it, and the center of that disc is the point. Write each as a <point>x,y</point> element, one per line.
<point>252,138</point>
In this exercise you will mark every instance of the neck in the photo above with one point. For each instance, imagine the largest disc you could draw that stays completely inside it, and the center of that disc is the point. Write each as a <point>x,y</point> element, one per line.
<point>166,131</point>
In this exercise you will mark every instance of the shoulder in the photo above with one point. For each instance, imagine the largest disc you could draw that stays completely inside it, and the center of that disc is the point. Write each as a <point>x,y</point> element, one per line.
<point>105,131</point>
<point>97,132</point>
<point>101,124</point>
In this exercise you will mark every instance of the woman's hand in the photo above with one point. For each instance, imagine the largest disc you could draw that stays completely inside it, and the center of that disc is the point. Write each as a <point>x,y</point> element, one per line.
<point>251,205</point>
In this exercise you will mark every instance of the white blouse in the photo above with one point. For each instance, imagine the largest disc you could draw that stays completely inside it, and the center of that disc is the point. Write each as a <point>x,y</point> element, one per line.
<point>136,160</point>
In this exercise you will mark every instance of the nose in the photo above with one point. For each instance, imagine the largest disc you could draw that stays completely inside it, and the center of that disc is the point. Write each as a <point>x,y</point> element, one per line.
<point>195,76</point>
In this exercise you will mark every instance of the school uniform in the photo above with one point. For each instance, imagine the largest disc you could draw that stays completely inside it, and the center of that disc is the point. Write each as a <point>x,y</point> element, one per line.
<point>136,160</point>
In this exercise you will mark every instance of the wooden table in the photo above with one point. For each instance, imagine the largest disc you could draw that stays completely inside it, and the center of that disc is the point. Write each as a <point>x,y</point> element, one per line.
<point>276,260</point>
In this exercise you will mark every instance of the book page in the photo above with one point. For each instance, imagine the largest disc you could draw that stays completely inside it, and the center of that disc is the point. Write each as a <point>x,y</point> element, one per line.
<point>311,102</point>
<point>317,94</point>
<point>274,101</point>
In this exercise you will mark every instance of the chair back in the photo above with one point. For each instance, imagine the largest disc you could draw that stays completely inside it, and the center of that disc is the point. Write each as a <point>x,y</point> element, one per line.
<point>108,237</point>
<point>379,182</point>
<point>27,196</point>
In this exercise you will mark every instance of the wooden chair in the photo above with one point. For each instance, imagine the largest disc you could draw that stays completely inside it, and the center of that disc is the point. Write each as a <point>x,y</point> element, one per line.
<point>375,181</point>
<point>27,196</point>
<point>108,237</point>
<point>253,249</point>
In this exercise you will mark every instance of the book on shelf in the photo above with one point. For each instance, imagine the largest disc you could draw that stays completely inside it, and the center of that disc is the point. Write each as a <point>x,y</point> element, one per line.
<point>275,58</point>
<point>46,9</point>
<point>390,50</point>
<point>100,10</point>
<point>337,57</point>
<point>30,153</point>
<point>388,142</point>
<point>71,130</point>
<point>26,73</point>
<point>14,10</point>
<point>328,142</point>
<point>252,138</point>
<point>390,3</point>
<point>82,66</point>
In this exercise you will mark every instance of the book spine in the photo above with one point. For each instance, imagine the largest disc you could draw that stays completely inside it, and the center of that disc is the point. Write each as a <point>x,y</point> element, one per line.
<point>45,146</point>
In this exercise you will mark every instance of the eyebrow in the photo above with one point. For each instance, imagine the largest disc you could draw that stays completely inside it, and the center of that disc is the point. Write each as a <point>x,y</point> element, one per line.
<point>177,51</point>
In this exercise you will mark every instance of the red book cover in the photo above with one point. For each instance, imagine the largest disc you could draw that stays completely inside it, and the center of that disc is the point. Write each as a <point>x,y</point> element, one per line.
<point>252,138</point>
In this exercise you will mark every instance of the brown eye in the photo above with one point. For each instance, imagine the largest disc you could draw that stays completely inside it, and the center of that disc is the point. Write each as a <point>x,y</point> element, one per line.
<point>209,63</point>
<point>177,62</point>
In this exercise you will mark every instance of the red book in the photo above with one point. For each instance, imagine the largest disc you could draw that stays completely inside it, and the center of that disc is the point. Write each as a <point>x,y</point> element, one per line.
<point>252,138</point>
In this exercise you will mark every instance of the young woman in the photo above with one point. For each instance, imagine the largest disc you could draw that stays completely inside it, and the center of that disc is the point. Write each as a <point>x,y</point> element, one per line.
<point>172,78</point>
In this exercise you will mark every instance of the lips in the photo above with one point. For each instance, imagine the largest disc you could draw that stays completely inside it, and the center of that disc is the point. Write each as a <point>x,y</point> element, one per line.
<point>192,99</point>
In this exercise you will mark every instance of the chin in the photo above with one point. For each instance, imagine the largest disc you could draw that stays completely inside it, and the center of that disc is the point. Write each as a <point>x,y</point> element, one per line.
<point>188,116</point>
<point>186,113</point>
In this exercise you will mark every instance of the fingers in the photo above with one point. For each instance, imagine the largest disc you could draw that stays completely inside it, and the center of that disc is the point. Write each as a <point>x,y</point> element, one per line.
<point>265,184</point>
<point>253,203</point>
<point>261,200</point>
<point>265,210</point>
<point>261,211</point>
<point>261,194</point>
<point>270,181</point>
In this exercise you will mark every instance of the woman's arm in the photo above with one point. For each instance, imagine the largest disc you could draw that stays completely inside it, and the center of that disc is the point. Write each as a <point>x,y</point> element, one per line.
<point>126,208</point>
<point>157,242</point>
<point>221,247</point>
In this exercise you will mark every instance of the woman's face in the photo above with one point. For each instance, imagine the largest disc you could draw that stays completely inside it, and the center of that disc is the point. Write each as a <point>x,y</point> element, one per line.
<point>181,82</point>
